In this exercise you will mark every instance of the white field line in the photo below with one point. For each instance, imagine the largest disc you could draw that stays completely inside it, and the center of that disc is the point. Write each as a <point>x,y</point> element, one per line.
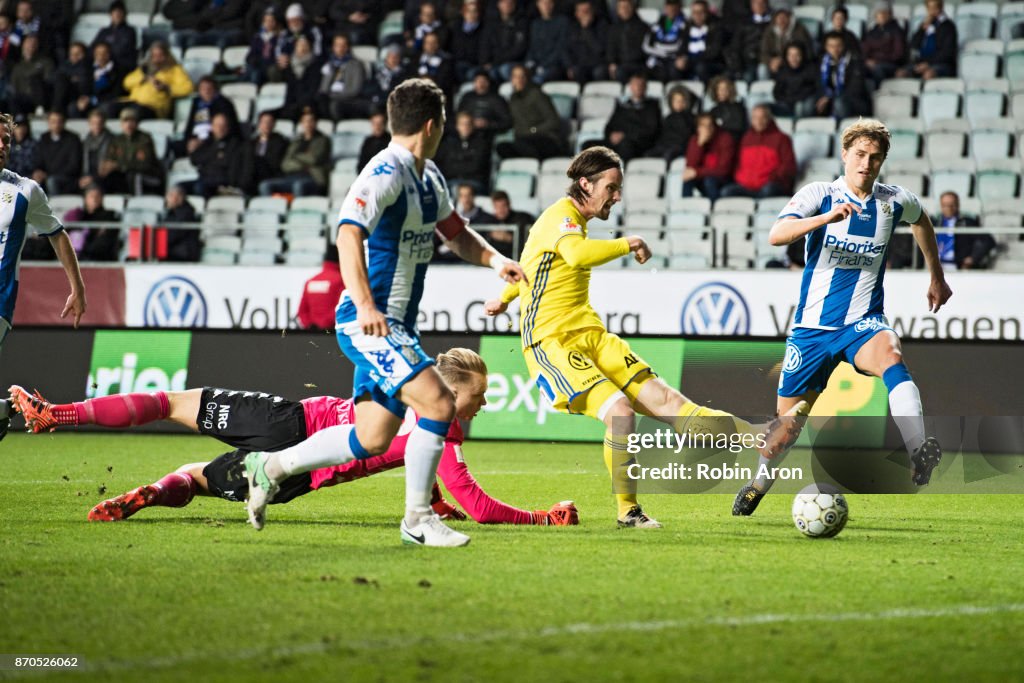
<point>318,646</point>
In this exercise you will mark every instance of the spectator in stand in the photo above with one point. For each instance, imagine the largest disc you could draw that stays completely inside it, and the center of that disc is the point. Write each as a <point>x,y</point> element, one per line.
<point>709,159</point>
<point>26,23</point>
<point>504,41</point>
<point>221,159</point>
<point>207,104</point>
<point>933,46</point>
<point>206,22</point>
<point>840,24</point>
<point>58,157</point>
<point>182,243</point>
<point>22,157</point>
<point>966,252</point>
<point>503,214</point>
<point>626,35</point>
<point>377,141</point>
<point>884,45</point>
<point>321,293</point>
<point>302,77</point>
<point>358,19</point>
<point>72,79</point>
<point>131,165</point>
<point>783,31</point>
<point>306,164</point>
<point>843,89</point>
<point>729,112</point>
<point>535,121</point>
<point>295,26</point>
<point>428,22</point>
<point>341,82</point>
<point>765,165</point>
<point>548,54</point>
<point>434,64</point>
<point>465,158</point>
<point>796,85</point>
<point>94,148</point>
<point>104,85</point>
<point>588,40</point>
<point>31,80</point>
<point>701,55</point>
<point>153,87</point>
<point>464,39</point>
<point>387,73</point>
<point>467,208</point>
<point>266,149</point>
<point>261,60</point>
<point>489,110</point>
<point>98,243</point>
<point>10,45</point>
<point>677,127</point>
<point>635,123</point>
<point>743,54</point>
<point>119,36</point>
<point>664,43</point>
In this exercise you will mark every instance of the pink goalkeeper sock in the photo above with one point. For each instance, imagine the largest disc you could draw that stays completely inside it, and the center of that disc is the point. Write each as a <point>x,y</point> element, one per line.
<point>175,490</point>
<point>119,410</point>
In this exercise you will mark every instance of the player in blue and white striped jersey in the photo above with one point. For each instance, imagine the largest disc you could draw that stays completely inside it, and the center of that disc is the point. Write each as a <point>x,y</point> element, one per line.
<point>848,224</point>
<point>395,206</point>
<point>24,211</point>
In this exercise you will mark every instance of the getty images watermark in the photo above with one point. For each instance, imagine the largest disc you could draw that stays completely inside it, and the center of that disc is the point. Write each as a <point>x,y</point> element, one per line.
<point>854,454</point>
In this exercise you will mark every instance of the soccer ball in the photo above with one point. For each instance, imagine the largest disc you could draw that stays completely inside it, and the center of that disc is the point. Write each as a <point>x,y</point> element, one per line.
<point>819,511</point>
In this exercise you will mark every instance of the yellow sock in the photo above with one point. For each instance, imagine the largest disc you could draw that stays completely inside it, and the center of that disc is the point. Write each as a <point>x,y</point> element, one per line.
<point>699,419</point>
<point>616,459</point>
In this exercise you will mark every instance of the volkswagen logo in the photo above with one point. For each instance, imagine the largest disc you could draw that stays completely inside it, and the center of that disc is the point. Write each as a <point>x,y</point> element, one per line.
<point>175,302</point>
<point>793,359</point>
<point>715,308</point>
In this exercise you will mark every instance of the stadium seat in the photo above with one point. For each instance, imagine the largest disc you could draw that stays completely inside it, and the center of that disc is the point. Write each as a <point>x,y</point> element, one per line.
<point>610,89</point>
<point>958,178</point>
<point>138,217</point>
<point>596,106</point>
<point>906,138</point>
<point>738,205</point>
<point>992,138</point>
<point>200,61</point>
<point>1014,60</point>
<point>983,103</point>
<point>649,15</point>
<point>761,92</point>
<point>313,204</point>
<point>590,129</point>
<point>240,89</point>
<point>822,169</point>
<point>62,203</point>
<point>914,182</point>
<point>980,65</point>
<point>225,203</point>
<point>88,25</point>
<point>812,17</point>
<point>674,183</point>
<point>900,86</point>
<point>647,165</point>
<point>391,28</point>
<point>243,107</point>
<point>688,261</point>
<point>230,243</point>
<point>257,258</point>
<point>938,105</point>
<point>518,184</point>
<point>998,178</point>
<point>686,219</point>
<point>941,144</point>
<point>305,224</point>
<point>307,259</point>
<point>182,171</point>
<point>643,222</point>
<point>520,165</point>
<point>772,205</point>
<point>218,257</point>
<point>234,56</point>
<point>1011,16</point>
<point>893,105</point>
<point>1014,205</point>
<point>367,54</point>
<point>346,144</point>
<point>148,202</point>
<point>114,202</point>
<point>271,96</point>
<point>283,126</point>
<point>340,182</point>
<point>813,138</point>
<point>274,205</point>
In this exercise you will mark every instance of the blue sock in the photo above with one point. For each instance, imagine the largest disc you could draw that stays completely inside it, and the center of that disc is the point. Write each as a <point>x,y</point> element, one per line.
<point>357,448</point>
<point>896,375</point>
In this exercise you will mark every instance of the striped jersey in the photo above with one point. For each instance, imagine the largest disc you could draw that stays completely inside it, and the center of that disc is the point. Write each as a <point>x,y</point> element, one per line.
<point>398,211</point>
<point>842,281</point>
<point>24,210</point>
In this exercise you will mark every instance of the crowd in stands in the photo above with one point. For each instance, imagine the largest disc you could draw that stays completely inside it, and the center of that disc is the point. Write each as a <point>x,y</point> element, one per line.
<point>491,57</point>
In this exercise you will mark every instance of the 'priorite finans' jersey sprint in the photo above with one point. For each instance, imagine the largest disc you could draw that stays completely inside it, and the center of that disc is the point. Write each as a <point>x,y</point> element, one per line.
<point>23,205</point>
<point>842,281</point>
<point>399,211</point>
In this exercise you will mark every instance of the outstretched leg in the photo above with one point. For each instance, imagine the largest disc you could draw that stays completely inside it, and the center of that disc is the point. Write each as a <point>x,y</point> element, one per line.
<point>174,490</point>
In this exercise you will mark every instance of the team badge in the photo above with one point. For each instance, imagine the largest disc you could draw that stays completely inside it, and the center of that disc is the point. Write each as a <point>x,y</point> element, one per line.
<point>409,353</point>
<point>568,225</point>
<point>578,361</point>
<point>8,197</point>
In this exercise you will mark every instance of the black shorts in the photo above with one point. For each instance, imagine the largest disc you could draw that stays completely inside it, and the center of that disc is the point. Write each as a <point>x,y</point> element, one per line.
<point>225,477</point>
<point>251,420</point>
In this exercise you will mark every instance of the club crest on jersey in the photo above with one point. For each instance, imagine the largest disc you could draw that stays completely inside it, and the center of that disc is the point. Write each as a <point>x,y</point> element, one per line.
<point>8,198</point>
<point>886,208</point>
<point>568,225</point>
<point>410,355</point>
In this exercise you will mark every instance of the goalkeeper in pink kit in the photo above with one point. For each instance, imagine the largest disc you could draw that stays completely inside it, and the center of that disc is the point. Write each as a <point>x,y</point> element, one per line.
<point>252,421</point>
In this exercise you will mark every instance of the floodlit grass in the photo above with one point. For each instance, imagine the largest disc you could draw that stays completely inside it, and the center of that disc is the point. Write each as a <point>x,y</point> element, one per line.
<point>915,588</point>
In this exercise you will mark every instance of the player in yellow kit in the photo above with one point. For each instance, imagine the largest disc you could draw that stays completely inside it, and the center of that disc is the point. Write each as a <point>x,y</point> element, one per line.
<point>576,362</point>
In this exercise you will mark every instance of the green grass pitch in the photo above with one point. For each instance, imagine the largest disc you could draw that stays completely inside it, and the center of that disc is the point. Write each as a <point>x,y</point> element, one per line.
<point>916,587</point>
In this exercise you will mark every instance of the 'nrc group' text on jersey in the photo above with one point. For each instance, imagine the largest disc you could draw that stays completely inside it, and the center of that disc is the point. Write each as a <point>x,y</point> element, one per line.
<point>842,281</point>
<point>23,207</point>
<point>556,298</point>
<point>398,211</point>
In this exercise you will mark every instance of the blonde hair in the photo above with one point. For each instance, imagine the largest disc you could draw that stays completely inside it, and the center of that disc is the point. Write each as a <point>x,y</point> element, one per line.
<point>458,365</point>
<point>7,120</point>
<point>873,130</point>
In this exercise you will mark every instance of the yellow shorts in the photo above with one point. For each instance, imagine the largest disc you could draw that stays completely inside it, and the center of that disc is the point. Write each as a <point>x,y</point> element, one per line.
<point>580,371</point>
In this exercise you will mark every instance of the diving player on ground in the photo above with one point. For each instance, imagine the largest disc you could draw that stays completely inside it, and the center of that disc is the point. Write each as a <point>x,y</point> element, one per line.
<point>252,420</point>
<point>848,224</point>
<point>580,366</point>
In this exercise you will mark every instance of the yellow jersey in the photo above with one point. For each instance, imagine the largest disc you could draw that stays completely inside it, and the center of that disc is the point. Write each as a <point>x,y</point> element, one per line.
<point>557,259</point>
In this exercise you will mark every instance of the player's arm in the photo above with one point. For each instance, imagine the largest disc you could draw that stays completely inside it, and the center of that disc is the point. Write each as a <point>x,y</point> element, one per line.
<point>789,229</point>
<point>352,262</point>
<point>75,305</point>
<point>580,252</point>
<point>924,234</point>
<point>507,296</point>
<point>472,248</point>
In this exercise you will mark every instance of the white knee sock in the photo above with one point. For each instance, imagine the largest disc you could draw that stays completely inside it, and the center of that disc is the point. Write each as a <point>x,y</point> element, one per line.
<point>905,405</point>
<point>422,453</point>
<point>324,448</point>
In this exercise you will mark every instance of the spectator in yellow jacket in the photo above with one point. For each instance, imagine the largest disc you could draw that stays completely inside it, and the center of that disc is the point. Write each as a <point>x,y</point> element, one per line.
<point>153,87</point>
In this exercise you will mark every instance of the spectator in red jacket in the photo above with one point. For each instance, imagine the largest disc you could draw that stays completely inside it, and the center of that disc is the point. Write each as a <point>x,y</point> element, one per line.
<point>320,294</point>
<point>709,159</point>
<point>765,165</point>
